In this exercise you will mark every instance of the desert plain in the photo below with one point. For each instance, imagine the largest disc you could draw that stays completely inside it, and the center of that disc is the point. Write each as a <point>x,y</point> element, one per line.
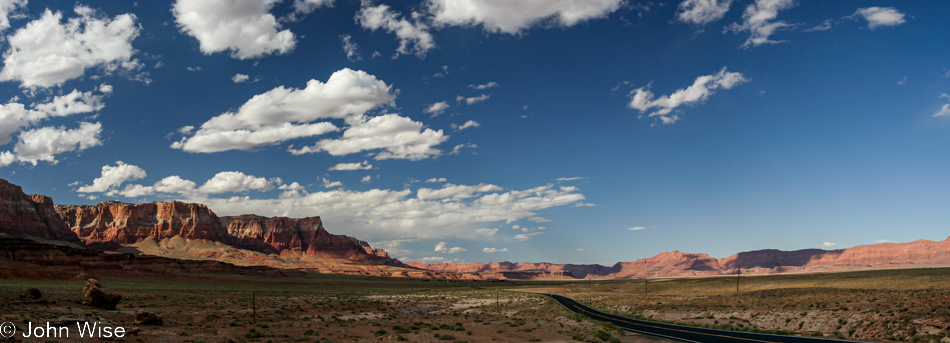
<point>874,306</point>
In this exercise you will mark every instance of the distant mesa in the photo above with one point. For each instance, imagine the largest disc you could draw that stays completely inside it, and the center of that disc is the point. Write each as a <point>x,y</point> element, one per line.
<point>172,237</point>
<point>917,254</point>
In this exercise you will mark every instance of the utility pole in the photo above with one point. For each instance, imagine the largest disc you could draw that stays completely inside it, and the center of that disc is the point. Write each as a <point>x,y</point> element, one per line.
<point>737,278</point>
<point>497,305</point>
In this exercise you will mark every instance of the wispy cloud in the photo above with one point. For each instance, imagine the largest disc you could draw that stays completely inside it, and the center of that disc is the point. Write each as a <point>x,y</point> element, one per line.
<point>527,236</point>
<point>702,12</point>
<point>472,100</point>
<point>484,86</point>
<point>759,21</point>
<point>562,179</point>
<point>643,99</point>
<point>468,124</point>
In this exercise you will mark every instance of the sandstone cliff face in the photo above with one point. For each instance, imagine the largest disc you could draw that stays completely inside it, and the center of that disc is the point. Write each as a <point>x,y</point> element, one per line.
<point>301,235</point>
<point>23,215</point>
<point>111,224</point>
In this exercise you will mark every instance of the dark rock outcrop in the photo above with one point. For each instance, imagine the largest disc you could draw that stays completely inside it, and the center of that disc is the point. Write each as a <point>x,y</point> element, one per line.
<point>27,216</point>
<point>31,294</point>
<point>99,296</point>
<point>28,259</point>
<point>147,318</point>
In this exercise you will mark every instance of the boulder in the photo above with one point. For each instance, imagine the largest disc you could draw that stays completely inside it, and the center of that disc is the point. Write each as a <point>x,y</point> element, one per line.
<point>147,318</point>
<point>99,296</point>
<point>31,294</point>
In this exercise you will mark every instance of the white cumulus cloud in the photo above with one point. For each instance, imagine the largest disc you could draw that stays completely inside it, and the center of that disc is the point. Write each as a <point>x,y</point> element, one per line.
<point>47,52</point>
<point>287,113</point>
<point>15,116</point>
<point>637,228</point>
<point>473,100</point>
<point>452,191</point>
<point>492,84</point>
<point>72,103</point>
<point>643,99</point>
<point>242,78</point>
<point>113,177</point>
<point>493,250</point>
<point>759,21</point>
<point>441,247</point>
<point>458,148</point>
<point>175,184</point>
<point>353,166</point>
<point>8,7</point>
<point>245,27</point>
<point>350,49</point>
<point>702,12</point>
<point>381,17</point>
<point>399,138</point>
<point>331,184</point>
<point>468,124</point>
<point>45,143</point>
<point>308,6</point>
<point>374,215</point>
<point>437,108</point>
<point>513,17</point>
<point>880,16</point>
<point>234,182</point>
<point>945,110</point>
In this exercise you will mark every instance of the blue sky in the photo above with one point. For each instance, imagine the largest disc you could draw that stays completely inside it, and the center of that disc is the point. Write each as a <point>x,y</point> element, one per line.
<point>477,131</point>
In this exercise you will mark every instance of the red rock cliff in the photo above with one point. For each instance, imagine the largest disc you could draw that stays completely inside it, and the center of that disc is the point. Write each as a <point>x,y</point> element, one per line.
<point>303,235</point>
<point>23,215</point>
<point>111,224</point>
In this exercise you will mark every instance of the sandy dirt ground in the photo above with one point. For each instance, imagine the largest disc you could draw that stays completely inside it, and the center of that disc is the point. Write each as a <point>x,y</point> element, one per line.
<point>873,306</point>
<point>409,314</point>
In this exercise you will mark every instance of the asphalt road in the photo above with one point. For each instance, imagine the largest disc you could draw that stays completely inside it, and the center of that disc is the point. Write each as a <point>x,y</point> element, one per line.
<point>679,332</point>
